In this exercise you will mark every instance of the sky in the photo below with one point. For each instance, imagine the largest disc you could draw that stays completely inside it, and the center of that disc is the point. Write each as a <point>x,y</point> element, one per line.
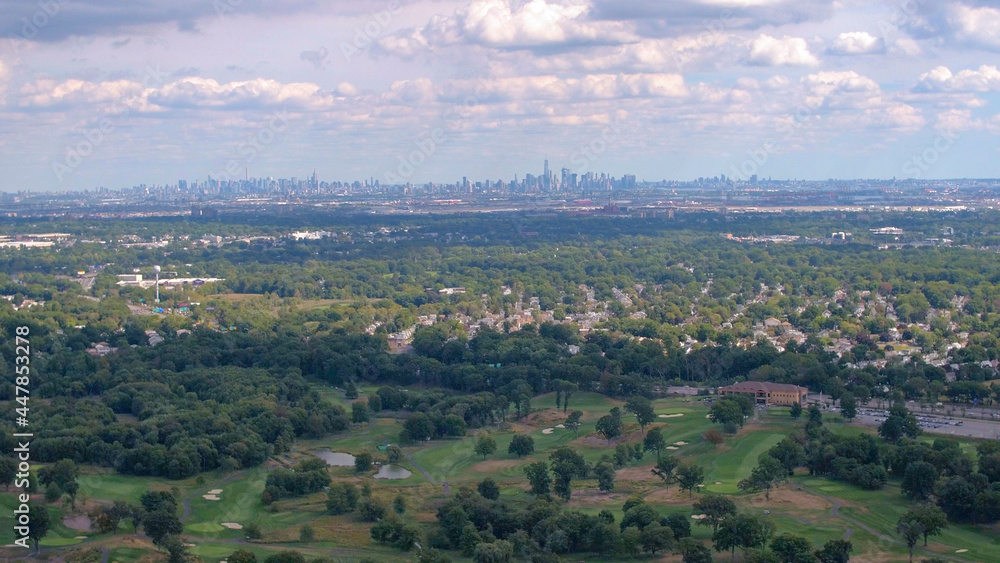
<point>103,93</point>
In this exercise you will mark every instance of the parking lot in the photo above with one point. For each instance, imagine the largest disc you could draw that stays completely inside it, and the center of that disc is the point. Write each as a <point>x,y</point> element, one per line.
<point>938,424</point>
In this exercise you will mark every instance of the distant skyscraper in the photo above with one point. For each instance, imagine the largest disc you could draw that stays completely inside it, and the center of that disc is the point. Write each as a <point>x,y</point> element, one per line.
<point>547,179</point>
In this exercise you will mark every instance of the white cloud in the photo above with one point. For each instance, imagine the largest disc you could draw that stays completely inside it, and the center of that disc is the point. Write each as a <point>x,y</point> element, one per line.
<point>3,81</point>
<point>187,93</point>
<point>984,79</point>
<point>787,51</point>
<point>857,43</point>
<point>47,93</point>
<point>979,26</point>
<point>507,24</point>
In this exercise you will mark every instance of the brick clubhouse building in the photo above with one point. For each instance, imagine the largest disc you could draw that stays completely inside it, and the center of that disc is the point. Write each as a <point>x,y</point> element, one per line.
<point>764,393</point>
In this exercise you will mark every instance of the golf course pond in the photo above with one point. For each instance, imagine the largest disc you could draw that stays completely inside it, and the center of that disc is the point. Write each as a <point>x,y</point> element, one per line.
<point>392,472</point>
<point>336,459</point>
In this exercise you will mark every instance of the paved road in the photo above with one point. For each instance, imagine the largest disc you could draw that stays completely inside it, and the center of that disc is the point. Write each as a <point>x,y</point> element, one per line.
<point>447,487</point>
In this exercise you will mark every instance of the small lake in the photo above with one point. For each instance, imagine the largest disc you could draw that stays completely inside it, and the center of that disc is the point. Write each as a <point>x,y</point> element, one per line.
<point>392,472</point>
<point>337,459</point>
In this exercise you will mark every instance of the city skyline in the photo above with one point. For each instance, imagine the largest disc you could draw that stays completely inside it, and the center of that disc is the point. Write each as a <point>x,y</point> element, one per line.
<point>422,91</point>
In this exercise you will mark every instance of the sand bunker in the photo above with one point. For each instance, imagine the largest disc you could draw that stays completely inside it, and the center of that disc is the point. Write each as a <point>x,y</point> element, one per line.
<point>708,416</point>
<point>210,497</point>
<point>961,551</point>
<point>675,415</point>
<point>718,482</point>
<point>680,443</point>
<point>215,492</point>
<point>560,426</point>
<point>79,523</point>
<point>672,447</point>
<point>231,525</point>
<point>699,516</point>
<point>548,430</point>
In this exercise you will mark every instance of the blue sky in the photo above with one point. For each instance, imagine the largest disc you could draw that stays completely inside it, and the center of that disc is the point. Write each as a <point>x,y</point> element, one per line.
<point>102,93</point>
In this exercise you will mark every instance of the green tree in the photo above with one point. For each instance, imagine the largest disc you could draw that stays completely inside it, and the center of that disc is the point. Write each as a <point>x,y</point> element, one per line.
<point>342,498</point>
<point>932,519</point>
<point>768,473</point>
<point>359,412</point>
<point>835,551</point>
<point>815,416</point>
<point>605,472</point>
<point>40,524</point>
<point>654,441</point>
<point>899,424</point>
<point>610,425</point>
<point>489,489</point>
<point>567,464</point>
<point>500,551</point>
<point>643,410</point>
<point>919,480</point>
<point>8,471</point>
<point>363,462</point>
<point>307,533</point>
<point>848,406</point>
<point>160,524</point>
<point>573,422</point>
<point>538,477</point>
<point>911,532</point>
<point>742,531</point>
<point>796,411</point>
<point>399,504</point>
<point>485,446</point>
<point>693,551</point>
<point>664,469</point>
<point>656,538</point>
<point>715,508</point>
<point>790,548</point>
<point>521,445</point>
<point>689,476</point>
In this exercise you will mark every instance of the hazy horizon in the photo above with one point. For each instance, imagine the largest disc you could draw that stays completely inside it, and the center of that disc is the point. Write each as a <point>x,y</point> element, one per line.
<point>93,93</point>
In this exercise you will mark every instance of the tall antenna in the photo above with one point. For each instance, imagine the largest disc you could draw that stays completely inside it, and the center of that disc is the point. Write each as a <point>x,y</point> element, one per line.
<point>156,271</point>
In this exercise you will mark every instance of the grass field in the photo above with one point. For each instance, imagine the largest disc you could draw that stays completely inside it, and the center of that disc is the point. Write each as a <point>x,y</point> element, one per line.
<point>453,461</point>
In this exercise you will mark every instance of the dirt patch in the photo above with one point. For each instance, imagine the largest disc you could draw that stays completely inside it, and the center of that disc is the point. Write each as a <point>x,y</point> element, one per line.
<point>546,417</point>
<point>495,465</point>
<point>791,498</point>
<point>673,495</point>
<point>636,474</point>
<point>78,522</point>
<point>595,497</point>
